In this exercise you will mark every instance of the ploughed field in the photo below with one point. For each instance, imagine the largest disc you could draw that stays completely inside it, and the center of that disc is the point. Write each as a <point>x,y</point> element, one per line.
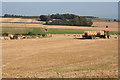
<point>60,56</point>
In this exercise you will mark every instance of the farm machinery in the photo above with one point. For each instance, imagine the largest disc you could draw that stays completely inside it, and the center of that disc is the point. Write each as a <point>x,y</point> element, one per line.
<point>94,34</point>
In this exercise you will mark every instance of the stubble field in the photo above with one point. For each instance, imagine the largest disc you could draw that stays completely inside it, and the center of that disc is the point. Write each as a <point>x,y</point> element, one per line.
<point>61,56</point>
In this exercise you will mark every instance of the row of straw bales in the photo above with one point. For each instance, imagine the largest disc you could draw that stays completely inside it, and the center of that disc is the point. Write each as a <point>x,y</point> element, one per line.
<point>94,32</point>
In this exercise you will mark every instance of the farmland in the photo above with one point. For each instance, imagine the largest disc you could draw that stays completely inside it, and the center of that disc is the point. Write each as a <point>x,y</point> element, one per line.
<point>61,56</point>
<point>18,22</point>
<point>23,26</point>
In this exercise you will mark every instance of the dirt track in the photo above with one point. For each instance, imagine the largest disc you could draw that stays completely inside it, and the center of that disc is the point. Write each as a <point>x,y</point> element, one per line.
<point>60,56</point>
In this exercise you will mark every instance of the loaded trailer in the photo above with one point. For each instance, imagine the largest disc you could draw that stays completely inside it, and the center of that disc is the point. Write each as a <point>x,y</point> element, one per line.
<point>94,34</point>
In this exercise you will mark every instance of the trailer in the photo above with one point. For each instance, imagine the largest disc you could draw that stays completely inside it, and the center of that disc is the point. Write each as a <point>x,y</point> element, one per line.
<point>94,34</point>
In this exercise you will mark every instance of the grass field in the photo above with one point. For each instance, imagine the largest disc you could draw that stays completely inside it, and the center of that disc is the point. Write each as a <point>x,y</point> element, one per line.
<point>35,30</point>
<point>23,30</point>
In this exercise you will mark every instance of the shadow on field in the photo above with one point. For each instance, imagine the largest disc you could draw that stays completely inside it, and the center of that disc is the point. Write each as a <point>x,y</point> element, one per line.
<point>85,38</point>
<point>80,38</point>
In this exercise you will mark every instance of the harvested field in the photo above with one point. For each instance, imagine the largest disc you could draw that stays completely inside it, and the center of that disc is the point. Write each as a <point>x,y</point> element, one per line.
<point>20,25</point>
<point>60,56</point>
<point>113,26</point>
<point>18,20</point>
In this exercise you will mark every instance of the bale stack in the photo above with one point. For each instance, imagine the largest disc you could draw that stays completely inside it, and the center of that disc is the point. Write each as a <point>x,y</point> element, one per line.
<point>100,33</point>
<point>94,32</point>
<point>90,33</point>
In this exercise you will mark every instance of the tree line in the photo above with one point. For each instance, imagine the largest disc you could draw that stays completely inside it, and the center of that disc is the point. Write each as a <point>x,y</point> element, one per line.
<point>67,19</point>
<point>17,16</point>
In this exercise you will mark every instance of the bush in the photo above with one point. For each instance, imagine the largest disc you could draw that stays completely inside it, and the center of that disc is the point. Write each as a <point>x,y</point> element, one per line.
<point>5,34</point>
<point>30,33</point>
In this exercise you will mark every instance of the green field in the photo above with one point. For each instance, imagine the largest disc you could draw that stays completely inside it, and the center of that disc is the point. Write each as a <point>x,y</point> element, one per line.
<point>26,30</point>
<point>33,30</point>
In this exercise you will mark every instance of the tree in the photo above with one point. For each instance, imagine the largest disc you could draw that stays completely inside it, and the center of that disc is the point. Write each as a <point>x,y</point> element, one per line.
<point>44,18</point>
<point>114,20</point>
<point>66,19</point>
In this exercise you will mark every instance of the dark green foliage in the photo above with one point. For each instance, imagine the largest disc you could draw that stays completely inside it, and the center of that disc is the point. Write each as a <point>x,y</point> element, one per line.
<point>66,19</point>
<point>115,20</point>
<point>30,33</point>
<point>17,16</point>
<point>57,16</point>
<point>4,34</point>
<point>44,18</point>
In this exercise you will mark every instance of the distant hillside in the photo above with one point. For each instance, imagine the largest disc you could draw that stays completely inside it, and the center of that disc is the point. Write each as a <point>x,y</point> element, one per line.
<point>104,20</point>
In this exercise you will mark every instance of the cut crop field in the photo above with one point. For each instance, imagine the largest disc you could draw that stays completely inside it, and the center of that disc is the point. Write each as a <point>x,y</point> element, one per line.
<point>60,56</point>
<point>18,20</point>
